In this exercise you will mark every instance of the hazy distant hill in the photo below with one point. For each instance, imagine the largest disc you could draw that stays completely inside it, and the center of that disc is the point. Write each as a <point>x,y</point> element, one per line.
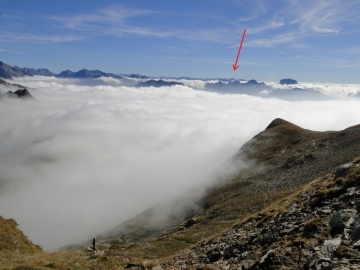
<point>40,72</point>
<point>66,74</point>
<point>137,76</point>
<point>254,88</point>
<point>298,94</point>
<point>251,87</point>
<point>288,81</point>
<point>157,83</point>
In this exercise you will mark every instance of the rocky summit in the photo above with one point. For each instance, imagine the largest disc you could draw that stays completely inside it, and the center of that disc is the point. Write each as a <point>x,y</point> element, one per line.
<point>13,90</point>
<point>21,93</point>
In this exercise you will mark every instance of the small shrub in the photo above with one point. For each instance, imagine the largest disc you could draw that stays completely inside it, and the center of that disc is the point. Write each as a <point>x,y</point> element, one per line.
<point>50,265</point>
<point>104,259</point>
<point>311,226</point>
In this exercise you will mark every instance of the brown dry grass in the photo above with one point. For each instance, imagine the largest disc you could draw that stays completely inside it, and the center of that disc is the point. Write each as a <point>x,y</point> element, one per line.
<point>57,260</point>
<point>12,239</point>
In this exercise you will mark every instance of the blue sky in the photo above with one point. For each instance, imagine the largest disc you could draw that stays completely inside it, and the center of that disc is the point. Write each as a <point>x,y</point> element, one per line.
<point>308,40</point>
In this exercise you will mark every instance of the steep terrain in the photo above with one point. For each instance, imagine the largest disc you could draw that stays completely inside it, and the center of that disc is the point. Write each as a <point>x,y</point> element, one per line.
<point>265,216</point>
<point>317,227</point>
<point>9,86</point>
<point>12,90</point>
<point>12,239</point>
<point>21,93</point>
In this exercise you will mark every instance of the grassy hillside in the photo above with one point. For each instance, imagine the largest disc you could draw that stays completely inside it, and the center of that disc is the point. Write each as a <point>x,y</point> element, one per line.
<point>14,240</point>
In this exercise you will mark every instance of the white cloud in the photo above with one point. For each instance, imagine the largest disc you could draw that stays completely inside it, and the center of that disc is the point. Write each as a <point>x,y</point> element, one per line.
<point>274,40</point>
<point>335,90</point>
<point>79,159</point>
<point>303,19</point>
<point>114,22</point>
<point>270,25</point>
<point>114,14</point>
<point>110,80</point>
<point>15,37</point>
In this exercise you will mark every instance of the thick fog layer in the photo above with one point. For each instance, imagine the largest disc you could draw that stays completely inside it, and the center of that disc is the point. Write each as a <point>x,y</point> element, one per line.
<point>85,155</point>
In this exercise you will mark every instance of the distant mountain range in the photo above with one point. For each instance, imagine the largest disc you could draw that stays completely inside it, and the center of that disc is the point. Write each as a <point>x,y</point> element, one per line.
<point>7,72</point>
<point>254,88</point>
<point>223,86</point>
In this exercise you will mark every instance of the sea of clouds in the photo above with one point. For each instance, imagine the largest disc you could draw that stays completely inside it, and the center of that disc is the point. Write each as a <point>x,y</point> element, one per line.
<point>86,155</point>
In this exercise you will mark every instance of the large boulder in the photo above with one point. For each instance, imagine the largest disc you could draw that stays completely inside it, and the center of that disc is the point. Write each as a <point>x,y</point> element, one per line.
<point>340,218</point>
<point>355,235</point>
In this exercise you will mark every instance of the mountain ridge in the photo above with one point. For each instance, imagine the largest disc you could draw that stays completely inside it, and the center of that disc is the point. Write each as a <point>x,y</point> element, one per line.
<point>8,71</point>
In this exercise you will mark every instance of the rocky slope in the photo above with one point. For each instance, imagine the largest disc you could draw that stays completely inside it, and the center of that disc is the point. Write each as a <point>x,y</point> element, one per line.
<point>9,86</point>
<point>316,228</point>
<point>21,93</point>
<point>279,160</point>
<point>13,91</point>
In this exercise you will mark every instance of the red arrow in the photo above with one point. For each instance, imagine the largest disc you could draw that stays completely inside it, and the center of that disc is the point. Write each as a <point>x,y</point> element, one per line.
<point>235,66</point>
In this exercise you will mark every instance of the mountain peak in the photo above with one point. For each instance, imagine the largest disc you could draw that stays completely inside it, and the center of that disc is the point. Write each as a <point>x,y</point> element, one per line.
<point>281,122</point>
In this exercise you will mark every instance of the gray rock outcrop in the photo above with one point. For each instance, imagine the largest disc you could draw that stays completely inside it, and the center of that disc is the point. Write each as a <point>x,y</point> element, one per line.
<point>304,235</point>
